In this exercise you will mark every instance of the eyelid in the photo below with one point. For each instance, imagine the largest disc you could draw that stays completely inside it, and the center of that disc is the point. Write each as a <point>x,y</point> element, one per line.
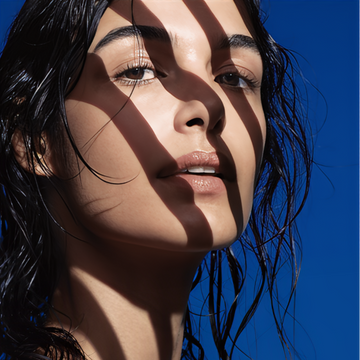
<point>244,73</point>
<point>241,69</point>
<point>142,63</point>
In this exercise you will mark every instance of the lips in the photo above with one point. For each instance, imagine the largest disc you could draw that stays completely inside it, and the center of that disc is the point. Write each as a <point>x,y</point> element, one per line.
<point>200,170</point>
<point>197,162</point>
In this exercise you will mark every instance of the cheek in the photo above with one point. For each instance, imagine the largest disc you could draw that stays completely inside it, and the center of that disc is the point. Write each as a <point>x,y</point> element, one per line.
<point>125,153</point>
<point>245,135</point>
<point>251,124</point>
<point>100,143</point>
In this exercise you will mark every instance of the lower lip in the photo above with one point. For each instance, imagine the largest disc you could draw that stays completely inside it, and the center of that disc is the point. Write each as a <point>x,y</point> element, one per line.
<point>200,184</point>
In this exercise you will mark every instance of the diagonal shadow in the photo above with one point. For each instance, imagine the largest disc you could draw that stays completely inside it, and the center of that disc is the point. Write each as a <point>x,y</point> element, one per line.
<point>141,137</point>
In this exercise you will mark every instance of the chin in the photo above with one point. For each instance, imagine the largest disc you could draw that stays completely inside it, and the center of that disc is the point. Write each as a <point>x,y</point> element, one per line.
<point>218,231</point>
<point>225,235</point>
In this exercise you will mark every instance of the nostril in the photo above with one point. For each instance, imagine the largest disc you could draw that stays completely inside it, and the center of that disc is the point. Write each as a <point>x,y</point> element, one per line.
<point>196,121</point>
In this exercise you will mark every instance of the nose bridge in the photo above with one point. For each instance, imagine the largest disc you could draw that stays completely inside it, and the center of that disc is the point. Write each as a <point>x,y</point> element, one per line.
<point>199,102</point>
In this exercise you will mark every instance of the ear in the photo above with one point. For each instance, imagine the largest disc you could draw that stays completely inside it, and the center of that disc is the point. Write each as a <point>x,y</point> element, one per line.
<point>28,160</point>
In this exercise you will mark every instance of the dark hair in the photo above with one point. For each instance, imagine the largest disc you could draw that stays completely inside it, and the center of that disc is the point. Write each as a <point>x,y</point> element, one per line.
<point>39,66</point>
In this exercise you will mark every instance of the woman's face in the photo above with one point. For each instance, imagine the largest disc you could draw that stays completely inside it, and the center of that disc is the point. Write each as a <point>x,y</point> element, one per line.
<point>171,119</point>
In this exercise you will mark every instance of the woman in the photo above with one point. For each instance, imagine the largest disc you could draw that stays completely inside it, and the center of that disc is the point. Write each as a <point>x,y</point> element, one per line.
<point>133,136</point>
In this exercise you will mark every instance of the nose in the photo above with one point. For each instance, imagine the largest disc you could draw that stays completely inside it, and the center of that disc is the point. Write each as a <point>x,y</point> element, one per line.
<point>200,108</point>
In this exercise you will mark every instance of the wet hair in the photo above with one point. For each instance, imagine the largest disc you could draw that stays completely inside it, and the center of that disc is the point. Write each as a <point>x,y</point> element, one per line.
<point>40,65</point>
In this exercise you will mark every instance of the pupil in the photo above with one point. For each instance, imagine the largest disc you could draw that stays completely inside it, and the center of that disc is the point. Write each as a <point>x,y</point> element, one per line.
<point>231,79</point>
<point>136,74</point>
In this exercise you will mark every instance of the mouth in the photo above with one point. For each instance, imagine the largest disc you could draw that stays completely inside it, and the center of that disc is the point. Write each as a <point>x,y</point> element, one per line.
<point>196,163</point>
<point>200,170</point>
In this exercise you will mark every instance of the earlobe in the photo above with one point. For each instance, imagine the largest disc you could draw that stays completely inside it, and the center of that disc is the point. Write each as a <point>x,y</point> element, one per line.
<point>34,162</point>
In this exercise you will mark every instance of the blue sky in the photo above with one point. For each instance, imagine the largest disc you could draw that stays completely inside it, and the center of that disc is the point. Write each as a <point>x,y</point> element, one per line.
<point>326,34</point>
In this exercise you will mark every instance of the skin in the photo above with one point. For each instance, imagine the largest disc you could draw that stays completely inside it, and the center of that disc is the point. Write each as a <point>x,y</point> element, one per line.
<point>137,237</point>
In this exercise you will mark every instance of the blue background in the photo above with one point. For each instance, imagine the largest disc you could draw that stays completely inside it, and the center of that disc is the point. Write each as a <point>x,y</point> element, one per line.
<point>326,34</point>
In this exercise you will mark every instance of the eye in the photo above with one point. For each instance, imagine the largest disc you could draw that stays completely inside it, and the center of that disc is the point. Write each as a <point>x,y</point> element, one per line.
<point>136,75</point>
<point>237,80</point>
<point>231,79</point>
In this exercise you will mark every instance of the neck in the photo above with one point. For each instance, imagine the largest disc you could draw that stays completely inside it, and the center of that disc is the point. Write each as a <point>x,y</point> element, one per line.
<point>126,302</point>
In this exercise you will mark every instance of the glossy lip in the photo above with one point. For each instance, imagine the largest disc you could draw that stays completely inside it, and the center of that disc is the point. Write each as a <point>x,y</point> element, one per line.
<point>195,158</point>
<point>200,184</point>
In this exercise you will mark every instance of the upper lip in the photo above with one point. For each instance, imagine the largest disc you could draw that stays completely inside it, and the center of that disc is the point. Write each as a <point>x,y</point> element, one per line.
<point>196,159</point>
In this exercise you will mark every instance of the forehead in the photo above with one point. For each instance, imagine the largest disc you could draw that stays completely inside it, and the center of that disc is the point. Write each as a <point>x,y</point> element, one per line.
<point>184,20</point>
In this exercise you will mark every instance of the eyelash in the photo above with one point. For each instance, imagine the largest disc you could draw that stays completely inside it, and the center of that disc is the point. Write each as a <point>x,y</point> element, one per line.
<point>251,83</point>
<point>131,67</point>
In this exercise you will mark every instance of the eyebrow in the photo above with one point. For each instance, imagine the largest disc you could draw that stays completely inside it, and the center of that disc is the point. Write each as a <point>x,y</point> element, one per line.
<point>145,32</point>
<point>238,41</point>
<point>160,34</point>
